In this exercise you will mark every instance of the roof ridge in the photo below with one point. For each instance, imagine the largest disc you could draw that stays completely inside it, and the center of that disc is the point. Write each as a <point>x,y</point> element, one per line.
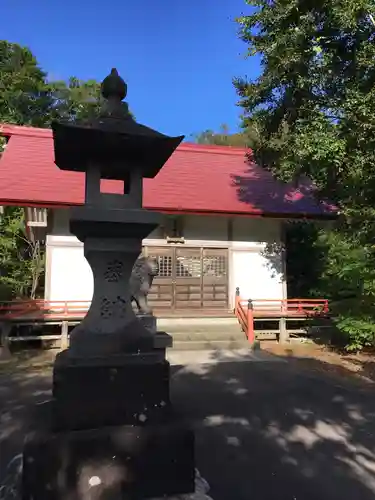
<point>212,149</point>
<point>10,129</point>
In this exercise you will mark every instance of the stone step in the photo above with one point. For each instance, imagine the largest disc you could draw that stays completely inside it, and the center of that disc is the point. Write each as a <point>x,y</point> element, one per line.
<point>179,320</point>
<point>222,330</point>
<point>187,326</point>
<point>194,335</point>
<point>190,360</point>
<point>201,345</point>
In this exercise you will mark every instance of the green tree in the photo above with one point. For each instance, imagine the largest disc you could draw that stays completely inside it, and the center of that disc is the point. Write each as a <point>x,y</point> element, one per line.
<point>28,98</point>
<point>225,138</point>
<point>75,99</point>
<point>24,99</point>
<point>21,260</point>
<point>314,108</point>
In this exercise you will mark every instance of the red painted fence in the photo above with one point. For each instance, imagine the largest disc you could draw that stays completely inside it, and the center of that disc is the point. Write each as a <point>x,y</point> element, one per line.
<point>247,310</point>
<point>44,309</point>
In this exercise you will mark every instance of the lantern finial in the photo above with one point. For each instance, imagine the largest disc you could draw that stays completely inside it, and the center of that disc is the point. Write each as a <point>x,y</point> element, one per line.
<point>113,86</point>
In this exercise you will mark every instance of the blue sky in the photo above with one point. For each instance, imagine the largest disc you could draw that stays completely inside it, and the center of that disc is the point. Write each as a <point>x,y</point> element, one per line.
<point>178,57</point>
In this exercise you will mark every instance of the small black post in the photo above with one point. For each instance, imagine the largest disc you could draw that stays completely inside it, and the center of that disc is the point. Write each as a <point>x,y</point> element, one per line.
<point>236,300</point>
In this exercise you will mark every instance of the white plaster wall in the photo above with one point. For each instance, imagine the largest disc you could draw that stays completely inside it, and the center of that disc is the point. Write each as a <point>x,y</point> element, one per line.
<point>255,232</point>
<point>59,224</point>
<point>71,276</point>
<point>201,227</point>
<point>257,266</point>
<point>256,276</point>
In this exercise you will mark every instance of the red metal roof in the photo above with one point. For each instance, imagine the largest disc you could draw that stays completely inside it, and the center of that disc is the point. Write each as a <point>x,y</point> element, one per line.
<point>200,179</point>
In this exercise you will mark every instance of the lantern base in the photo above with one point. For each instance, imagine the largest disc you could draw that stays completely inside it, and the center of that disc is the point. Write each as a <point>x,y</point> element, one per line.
<point>113,462</point>
<point>133,339</point>
<point>110,390</point>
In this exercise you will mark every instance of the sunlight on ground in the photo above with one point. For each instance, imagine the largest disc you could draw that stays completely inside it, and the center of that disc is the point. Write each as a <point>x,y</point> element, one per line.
<point>360,459</point>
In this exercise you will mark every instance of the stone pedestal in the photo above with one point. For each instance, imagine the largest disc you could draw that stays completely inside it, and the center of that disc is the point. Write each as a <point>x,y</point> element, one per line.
<point>111,463</point>
<point>116,390</point>
<point>109,432</point>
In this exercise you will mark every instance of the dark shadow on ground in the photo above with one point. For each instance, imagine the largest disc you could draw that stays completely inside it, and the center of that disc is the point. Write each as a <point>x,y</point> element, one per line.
<point>19,392</point>
<point>265,430</point>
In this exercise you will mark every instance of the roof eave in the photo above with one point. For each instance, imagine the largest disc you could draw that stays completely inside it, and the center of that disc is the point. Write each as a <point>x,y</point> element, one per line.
<point>181,211</point>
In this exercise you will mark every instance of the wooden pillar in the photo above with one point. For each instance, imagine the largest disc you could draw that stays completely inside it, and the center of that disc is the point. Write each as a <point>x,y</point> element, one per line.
<point>5,329</point>
<point>64,335</point>
<point>283,336</point>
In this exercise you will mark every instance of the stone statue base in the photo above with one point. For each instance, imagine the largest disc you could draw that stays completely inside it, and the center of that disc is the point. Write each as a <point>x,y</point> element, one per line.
<point>148,321</point>
<point>115,462</point>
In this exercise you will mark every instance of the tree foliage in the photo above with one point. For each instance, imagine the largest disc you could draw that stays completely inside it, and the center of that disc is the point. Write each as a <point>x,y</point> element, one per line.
<point>27,97</point>
<point>21,260</point>
<point>314,108</point>
<point>23,96</point>
<point>225,138</point>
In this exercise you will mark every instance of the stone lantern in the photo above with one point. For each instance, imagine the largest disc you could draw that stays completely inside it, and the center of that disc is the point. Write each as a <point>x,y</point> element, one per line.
<point>112,226</point>
<point>111,431</point>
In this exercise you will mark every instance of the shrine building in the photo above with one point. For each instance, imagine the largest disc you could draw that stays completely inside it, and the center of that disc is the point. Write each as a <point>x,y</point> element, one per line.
<point>223,222</point>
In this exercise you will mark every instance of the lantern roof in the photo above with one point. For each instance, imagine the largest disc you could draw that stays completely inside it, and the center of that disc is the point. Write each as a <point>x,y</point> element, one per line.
<point>113,140</point>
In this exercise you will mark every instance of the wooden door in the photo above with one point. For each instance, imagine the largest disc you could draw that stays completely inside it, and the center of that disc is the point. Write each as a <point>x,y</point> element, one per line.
<point>215,278</point>
<point>189,278</point>
<point>161,295</point>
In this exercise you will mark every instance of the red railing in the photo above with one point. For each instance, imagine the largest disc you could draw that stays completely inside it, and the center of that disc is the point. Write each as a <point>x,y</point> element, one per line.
<point>43,309</point>
<point>247,310</point>
<point>245,316</point>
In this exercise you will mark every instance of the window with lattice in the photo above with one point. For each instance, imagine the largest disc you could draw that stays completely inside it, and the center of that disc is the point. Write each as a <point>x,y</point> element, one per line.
<point>215,266</point>
<point>188,267</point>
<point>165,264</point>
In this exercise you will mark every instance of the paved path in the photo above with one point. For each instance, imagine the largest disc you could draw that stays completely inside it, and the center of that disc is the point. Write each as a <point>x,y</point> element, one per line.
<point>212,357</point>
<point>263,430</point>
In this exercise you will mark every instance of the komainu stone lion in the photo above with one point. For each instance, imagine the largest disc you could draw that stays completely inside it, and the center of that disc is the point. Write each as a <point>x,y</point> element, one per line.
<point>144,271</point>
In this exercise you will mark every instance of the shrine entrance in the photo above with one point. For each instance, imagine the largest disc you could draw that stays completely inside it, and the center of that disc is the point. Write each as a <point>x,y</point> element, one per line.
<point>190,278</point>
